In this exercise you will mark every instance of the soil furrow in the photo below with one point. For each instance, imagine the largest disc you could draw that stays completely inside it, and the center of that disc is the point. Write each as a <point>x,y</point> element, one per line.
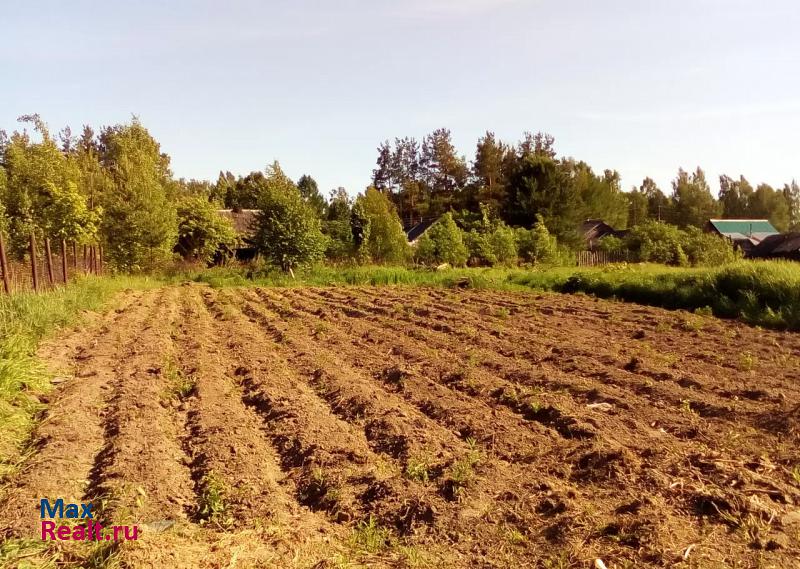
<point>388,427</point>
<point>236,474</point>
<point>413,427</point>
<point>142,473</point>
<point>409,375</point>
<point>635,386</point>
<point>463,372</point>
<point>329,460</point>
<point>394,428</point>
<point>65,455</point>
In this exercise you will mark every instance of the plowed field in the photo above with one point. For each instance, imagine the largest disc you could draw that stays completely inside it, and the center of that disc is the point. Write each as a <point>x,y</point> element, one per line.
<point>419,427</point>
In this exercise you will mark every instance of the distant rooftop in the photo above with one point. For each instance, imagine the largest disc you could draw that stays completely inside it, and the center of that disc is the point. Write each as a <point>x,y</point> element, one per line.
<point>242,220</point>
<point>739,228</point>
<point>776,246</point>
<point>416,231</point>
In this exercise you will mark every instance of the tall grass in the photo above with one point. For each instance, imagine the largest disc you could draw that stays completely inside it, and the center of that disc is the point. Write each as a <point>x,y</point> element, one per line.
<point>363,276</point>
<point>24,320</point>
<point>765,293</point>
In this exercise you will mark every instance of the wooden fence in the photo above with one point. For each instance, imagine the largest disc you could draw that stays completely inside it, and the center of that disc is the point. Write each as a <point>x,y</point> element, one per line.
<point>48,265</point>
<point>594,258</point>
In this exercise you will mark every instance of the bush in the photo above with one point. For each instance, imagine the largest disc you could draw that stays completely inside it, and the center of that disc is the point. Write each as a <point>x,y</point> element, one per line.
<point>377,227</point>
<point>656,242</point>
<point>202,231</point>
<point>496,247</point>
<point>708,249</point>
<point>613,245</point>
<point>340,240</point>
<point>442,243</point>
<point>337,226</point>
<point>479,249</point>
<point>503,245</point>
<point>537,245</point>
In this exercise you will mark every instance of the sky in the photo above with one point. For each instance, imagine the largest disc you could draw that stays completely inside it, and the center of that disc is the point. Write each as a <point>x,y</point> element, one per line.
<point>640,86</point>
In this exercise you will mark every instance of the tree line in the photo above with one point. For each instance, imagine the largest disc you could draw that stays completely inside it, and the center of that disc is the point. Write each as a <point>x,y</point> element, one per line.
<point>519,181</point>
<point>112,187</point>
<point>511,203</point>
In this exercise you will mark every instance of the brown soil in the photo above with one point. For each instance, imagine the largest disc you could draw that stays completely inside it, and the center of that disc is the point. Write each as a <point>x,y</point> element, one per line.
<point>422,427</point>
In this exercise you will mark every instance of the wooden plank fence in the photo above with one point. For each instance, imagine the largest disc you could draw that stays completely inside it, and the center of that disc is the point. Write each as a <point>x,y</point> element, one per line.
<point>59,263</point>
<point>595,258</point>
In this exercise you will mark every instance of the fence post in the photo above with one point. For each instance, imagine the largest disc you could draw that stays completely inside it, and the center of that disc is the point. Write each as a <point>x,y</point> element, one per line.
<point>4,266</point>
<point>49,260</point>
<point>64,260</point>
<point>34,269</point>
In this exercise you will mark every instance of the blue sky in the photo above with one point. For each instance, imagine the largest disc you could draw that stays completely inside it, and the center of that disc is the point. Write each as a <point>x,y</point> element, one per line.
<point>643,86</point>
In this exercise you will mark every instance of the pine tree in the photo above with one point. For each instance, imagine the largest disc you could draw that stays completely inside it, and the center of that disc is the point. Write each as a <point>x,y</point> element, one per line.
<point>310,192</point>
<point>488,171</point>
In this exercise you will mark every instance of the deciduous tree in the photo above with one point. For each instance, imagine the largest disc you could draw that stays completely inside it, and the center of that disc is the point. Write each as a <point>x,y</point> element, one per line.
<point>385,241</point>
<point>288,231</point>
<point>692,201</point>
<point>139,223</point>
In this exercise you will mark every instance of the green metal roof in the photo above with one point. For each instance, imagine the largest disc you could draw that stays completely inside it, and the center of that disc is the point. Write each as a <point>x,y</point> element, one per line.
<point>743,226</point>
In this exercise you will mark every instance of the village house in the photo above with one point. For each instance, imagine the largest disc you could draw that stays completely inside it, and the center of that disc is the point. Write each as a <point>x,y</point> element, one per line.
<point>780,246</point>
<point>593,230</point>
<point>244,226</point>
<point>745,234</point>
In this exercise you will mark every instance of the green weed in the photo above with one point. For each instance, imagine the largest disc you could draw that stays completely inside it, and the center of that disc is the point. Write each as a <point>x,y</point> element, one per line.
<point>502,313</point>
<point>418,469</point>
<point>747,361</point>
<point>27,553</point>
<point>370,537</point>
<point>104,556</point>
<point>462,471</point>
<point>686,407</point>
<point>213,507</point>
<point>181,385</point>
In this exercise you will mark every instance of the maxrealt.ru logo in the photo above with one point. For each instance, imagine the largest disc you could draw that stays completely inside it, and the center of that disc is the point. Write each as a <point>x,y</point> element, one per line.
<point>90,531</point>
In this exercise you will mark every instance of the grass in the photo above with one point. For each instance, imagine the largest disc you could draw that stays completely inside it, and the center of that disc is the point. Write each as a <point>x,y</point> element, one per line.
<point>764,293</point>
<point>27,554</point>
<point>370,537</point>
<point>25,319</point>
<point>222,277</point>
<point>462,471</point>
<point>38,554</point>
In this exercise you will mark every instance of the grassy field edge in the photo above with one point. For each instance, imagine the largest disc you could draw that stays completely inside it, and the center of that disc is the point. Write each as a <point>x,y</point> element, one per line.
<point>26,319</point>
